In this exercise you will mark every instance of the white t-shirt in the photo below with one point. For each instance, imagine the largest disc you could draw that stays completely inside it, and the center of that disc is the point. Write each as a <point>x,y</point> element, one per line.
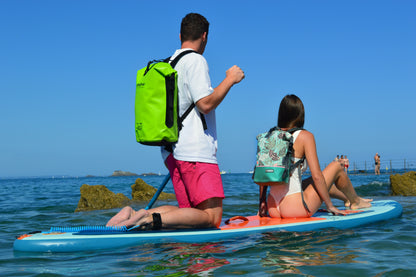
<point>195,144</point>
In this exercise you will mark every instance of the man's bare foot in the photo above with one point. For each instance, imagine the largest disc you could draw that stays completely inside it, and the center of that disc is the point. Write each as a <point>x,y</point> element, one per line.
<point>133,219</point>
<point>121,216</point>
<point>137,218</point>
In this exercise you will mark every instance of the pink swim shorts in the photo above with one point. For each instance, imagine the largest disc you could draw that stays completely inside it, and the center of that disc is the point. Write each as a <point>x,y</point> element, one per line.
<point>194,182</point>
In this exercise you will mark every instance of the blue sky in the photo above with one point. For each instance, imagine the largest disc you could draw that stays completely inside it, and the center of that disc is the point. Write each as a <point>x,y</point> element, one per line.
<point>68,73</point>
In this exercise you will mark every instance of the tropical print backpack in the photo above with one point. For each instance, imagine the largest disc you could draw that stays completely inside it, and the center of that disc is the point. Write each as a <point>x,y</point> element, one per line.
<point>274,162</point>
<point>274,157</point>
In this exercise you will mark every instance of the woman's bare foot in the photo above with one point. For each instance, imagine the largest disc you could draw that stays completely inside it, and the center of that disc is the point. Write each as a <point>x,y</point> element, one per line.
<point>361,204</point>
<point>348,203</point>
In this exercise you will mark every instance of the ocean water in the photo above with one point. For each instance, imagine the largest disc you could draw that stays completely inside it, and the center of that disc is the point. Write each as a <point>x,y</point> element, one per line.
<point>383,249</point>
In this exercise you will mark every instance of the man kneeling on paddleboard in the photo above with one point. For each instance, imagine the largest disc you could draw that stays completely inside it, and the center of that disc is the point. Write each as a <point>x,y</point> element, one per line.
<point>193,163</point>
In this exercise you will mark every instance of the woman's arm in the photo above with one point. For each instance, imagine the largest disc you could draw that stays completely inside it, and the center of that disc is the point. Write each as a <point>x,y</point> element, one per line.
<point>318,178</point>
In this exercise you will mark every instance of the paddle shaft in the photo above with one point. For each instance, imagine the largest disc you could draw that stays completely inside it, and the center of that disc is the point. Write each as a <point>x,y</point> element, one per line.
<point>162,186</point>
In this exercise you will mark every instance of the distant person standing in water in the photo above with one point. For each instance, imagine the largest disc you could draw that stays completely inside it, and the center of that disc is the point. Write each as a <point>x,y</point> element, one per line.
<point>346,164</point>
<point>377,164</point>
<point>342,160</point>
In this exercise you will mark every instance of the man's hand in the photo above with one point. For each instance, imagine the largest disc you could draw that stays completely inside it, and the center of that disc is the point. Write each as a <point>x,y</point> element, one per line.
<point>235,74</point>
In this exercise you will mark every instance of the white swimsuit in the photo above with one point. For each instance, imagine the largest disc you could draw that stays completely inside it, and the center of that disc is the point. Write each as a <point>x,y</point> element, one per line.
<point>295,181</point>
<point>278,192</point>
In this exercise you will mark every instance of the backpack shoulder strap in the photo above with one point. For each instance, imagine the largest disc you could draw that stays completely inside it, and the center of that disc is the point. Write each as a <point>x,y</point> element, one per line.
<point>185,114</point>
<point>178,57</point>
<point>290,151</point>
<point>294,130</point>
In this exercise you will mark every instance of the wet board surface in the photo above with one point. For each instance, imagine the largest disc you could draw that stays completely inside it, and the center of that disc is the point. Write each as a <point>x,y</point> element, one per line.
<point>241,226</point>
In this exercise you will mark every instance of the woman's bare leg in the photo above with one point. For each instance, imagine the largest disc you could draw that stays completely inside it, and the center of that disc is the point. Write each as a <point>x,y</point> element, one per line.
<point>336,193</point>
<point>343,189</point>
<point>334,174</point>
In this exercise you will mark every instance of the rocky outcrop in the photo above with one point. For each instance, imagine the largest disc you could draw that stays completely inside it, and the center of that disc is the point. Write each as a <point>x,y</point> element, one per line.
<point>141,191</point>
<point>117,173</point>
<point>404,184</point>
<point>99,197</point>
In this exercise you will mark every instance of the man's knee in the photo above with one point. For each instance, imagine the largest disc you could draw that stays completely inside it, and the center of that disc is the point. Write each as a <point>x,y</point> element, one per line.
<point>215,218</point>
<point>213,208</point>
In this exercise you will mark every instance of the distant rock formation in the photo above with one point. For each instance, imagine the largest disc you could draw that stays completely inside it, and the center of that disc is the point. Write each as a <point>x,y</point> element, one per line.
<point>98,197</point>
<point>404,184</point>
<point>117,173</point>
<point>149,174</point>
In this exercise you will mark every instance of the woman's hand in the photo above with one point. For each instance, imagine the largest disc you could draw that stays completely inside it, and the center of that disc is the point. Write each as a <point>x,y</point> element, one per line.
<point>335,211</point>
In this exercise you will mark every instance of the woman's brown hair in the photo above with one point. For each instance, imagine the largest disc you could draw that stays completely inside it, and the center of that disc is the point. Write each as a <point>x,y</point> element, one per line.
<point>291,112</point>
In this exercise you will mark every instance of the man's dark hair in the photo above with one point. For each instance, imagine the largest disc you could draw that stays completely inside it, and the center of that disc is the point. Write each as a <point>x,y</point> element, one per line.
<point>291,112</point>
<point>193,26</point>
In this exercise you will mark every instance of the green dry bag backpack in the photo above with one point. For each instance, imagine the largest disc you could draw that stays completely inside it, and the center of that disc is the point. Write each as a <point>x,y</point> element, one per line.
<point>156,106</point>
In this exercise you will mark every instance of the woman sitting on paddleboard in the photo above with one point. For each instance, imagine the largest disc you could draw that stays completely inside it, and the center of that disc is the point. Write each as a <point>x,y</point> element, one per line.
<point>286,200</point>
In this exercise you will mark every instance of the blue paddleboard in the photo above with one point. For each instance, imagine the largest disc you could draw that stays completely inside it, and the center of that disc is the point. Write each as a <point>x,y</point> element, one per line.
<point>62,241</point>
